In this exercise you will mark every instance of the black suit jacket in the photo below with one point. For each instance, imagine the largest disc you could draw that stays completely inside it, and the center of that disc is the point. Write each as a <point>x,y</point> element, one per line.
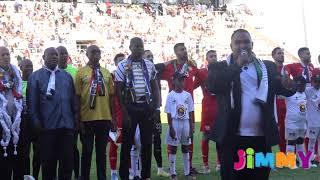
<point>220,78</point>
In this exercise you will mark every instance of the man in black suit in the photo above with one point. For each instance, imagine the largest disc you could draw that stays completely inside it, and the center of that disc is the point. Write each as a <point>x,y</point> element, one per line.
<point>245,88</point>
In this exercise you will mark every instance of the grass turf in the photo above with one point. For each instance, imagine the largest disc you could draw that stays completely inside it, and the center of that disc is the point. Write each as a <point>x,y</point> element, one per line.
<point>278,174</point>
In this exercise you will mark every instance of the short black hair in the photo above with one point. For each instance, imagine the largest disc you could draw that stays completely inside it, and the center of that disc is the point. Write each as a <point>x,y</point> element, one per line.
<point>211,51</point>
<point>302,49</point>
<point>23,62</point>
<point>177,45</point>
<point>117,56</point>
<point>319,57</point>
<point>275,50</point>
<point>239,31</point>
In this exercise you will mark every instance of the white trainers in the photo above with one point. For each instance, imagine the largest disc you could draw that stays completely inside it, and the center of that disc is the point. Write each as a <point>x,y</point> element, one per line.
<point>218,167</point>
<point>162,173</point>
<point>205,170</point>
<point>114,176</point>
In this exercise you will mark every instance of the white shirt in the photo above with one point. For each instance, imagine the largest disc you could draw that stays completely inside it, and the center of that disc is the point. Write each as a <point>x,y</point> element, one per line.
<point>296,111</point>
<point>250,120</point>
<point>179,105</point>
<point>313,107</point>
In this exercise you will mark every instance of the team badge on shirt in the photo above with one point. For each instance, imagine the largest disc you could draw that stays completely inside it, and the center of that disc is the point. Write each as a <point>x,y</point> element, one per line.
<point>302,108</point>
<point>181,111</point>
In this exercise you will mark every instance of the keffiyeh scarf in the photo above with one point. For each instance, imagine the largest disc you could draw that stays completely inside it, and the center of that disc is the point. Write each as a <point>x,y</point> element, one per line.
<point>10,128</point>
<point>97,85</point>
<point>262,94</point>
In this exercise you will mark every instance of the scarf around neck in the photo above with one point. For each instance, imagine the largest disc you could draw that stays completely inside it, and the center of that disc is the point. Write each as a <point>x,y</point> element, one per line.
<point>262,74</point>
<point>130,78</point>
<point>97,85</point>
<point>51,87</point>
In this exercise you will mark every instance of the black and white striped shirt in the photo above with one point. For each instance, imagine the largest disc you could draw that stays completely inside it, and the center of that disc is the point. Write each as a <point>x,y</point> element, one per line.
<point>139,82</point>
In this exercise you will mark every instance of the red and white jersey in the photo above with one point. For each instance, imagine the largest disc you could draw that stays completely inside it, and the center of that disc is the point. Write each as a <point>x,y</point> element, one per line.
<point>209,102</point>
<point>169,70</point>
<point>296,111</point>
<point>298,69</point>
<point>313,107</point>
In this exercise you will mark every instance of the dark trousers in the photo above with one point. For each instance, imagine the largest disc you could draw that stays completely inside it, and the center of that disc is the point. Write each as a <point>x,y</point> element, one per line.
<point>157,149</point>
<point>157,140</point>
<point>56,146</point>
<point>76,156</point>
<point>229,157</point>
<point>12,166</point>
<point>76,161</point>
<point>98,131</point>
<point>139,115</point>
<point>30,138</point>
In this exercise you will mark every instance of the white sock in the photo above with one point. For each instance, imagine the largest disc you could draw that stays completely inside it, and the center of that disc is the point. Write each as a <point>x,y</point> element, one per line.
<point>300,147</point>
<point>186,163</point>
<point>172,161</point>
<point>139,164</point>
<point>114,172</point>
<point>160,169</point>
<point>290,148</point>
<point>311,145</point>
<point>134,161</point>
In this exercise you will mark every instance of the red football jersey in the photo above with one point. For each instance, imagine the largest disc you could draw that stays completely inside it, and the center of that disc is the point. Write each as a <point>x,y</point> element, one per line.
<point>117,109</point>
<point>209,102</point>
<point>169,70</point>
<point>297,69</point>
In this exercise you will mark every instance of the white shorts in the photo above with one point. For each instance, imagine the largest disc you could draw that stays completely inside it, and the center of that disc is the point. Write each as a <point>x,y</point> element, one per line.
<point>313,132</point>
<point>182,128</point>
<point>293,134</point>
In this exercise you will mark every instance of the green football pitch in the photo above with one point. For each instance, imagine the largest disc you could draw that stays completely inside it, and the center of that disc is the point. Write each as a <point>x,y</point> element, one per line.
<point>278,174</point>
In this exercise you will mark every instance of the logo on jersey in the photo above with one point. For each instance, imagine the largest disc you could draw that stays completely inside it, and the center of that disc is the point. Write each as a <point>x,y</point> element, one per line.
<point>302,108</point>
<point>181,111</point>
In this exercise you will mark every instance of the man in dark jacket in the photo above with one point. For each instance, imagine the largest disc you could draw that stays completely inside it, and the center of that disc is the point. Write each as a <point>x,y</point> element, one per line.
<point>245,88</point>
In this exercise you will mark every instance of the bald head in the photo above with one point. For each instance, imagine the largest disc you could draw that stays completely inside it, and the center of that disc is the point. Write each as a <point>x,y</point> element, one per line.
<point>51,57</point>
<point>63,57</point>
<point>137,48</point>
<point>94,54</point>
<point>4,57</point>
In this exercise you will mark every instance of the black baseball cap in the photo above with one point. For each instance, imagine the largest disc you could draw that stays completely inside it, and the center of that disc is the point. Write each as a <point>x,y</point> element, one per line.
<point>178,75</point>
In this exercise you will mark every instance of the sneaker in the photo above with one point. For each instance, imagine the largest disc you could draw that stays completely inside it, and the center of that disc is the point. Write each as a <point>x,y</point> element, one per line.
<point>174,177</point>
<point>314,164</point>
<point>194,171</point>
<point>162,173</point>
<point>190,177</point>
<point>114,176</point>
<point>218,167</point>
<point>131,176</point>
<point>205,170</point>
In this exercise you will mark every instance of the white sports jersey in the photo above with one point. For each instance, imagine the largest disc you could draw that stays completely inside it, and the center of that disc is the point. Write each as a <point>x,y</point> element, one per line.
<point>296,111</point>
<point>313,107</point>
<point>179,105</point>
